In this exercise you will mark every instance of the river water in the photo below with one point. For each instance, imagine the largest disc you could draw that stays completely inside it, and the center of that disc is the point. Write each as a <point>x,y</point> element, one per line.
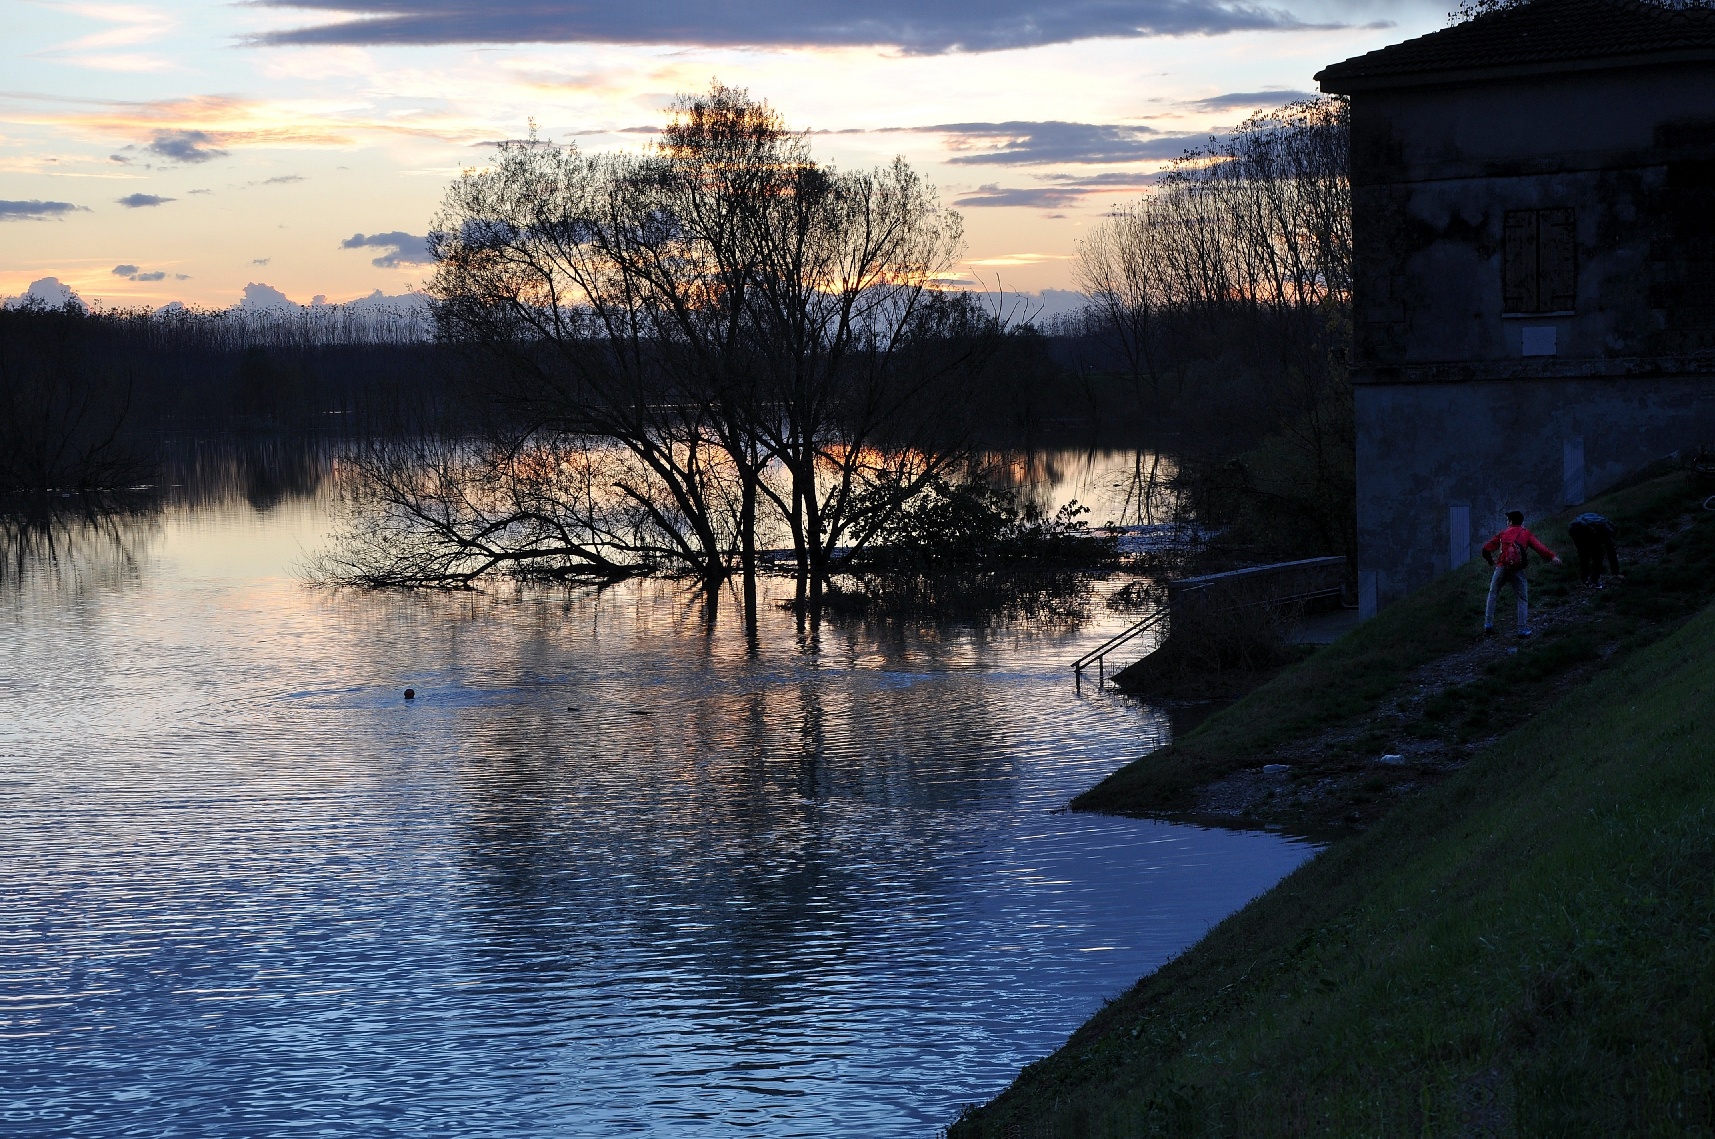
<point>613,871</point>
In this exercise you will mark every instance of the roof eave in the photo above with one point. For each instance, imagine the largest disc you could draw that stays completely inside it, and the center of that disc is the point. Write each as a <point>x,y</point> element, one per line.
<point>1353,84</point>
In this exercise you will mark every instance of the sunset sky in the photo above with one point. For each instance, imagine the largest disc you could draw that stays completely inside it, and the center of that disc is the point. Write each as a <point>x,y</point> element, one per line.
<point>186,150</point>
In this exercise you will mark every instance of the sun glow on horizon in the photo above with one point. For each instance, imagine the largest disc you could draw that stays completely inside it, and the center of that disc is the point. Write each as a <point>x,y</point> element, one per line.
<point>162,136</point>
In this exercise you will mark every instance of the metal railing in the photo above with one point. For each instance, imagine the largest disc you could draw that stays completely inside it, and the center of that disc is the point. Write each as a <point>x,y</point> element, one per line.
<point>1098,656</point>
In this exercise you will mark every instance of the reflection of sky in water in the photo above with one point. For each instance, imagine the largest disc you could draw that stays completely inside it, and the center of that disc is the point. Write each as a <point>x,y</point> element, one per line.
<point>610,872</point>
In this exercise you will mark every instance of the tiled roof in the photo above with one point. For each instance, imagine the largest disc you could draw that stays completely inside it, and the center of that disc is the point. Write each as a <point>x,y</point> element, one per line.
<point>1543,32</point>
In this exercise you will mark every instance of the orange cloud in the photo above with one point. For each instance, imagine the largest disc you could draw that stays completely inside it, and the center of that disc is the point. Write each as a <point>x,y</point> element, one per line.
<point>206,126</point>
<point>1013,260</point>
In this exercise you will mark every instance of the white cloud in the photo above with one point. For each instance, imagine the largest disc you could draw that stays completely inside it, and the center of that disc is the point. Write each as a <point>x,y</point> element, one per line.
<point>379,299</point>
<point>48,292</point>
<point>262,298</point>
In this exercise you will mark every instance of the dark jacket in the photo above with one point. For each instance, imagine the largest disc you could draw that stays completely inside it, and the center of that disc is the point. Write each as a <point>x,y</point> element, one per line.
<point>1594,537</point>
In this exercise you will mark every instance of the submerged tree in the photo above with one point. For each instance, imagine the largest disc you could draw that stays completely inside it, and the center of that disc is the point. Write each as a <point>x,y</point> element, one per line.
<point>440,513</point>
<point>750,326</point>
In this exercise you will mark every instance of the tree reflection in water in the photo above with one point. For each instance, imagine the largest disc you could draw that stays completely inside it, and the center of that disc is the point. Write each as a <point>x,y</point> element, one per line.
<point>75,543</point>
<point>618,867</point>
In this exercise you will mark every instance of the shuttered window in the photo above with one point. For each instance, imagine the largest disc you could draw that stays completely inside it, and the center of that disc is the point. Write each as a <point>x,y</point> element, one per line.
<point>1540,261</point>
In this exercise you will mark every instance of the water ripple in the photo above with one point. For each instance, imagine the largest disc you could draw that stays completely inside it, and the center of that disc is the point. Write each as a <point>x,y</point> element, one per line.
<point>607,874</point>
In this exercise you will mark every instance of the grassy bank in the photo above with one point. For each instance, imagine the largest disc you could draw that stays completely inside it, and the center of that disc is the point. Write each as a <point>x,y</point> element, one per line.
<point>1419,681</point>
<point>1529,948</point>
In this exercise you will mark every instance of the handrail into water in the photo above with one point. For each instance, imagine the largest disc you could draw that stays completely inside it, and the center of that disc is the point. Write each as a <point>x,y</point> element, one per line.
<point>1099,654</point>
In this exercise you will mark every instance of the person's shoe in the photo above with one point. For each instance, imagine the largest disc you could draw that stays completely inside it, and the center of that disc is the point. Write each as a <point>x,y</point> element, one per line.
<point>1523,633</point>
<point>1488,630</point>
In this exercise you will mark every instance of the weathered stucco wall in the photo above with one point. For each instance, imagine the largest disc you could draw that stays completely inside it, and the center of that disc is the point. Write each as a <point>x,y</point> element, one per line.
<point>1440,464</point>
<point>1462,405</point>
<point>1436,169</point>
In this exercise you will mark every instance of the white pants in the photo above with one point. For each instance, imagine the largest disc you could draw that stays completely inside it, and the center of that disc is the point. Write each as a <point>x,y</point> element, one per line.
<point>1521,590</point>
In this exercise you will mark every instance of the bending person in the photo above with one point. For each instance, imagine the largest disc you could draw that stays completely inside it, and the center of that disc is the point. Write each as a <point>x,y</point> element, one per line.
<point>1594,537</point>
<point>1509,552</point>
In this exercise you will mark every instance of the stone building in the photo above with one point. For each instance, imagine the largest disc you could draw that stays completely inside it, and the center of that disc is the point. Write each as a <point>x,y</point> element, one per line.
<point>1533,199</point>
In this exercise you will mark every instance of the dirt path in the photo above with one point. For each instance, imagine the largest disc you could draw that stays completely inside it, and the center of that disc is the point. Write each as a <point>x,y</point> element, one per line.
<point>1445,712</point>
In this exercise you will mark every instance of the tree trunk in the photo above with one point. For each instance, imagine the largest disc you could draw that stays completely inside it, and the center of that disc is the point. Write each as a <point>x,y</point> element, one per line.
<point>817,553</point>
<point>747,540</point>
<point>800,541</point>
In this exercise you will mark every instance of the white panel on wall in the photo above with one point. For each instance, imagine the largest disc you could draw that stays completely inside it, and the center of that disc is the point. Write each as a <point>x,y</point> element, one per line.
<point>1572,470</point>
<point>1458,534</point>
<point>1539,340</point>
<point>1366,594</point>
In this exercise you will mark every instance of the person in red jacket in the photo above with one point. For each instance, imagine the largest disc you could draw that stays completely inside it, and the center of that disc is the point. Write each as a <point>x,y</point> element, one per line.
<point>1509,552</point>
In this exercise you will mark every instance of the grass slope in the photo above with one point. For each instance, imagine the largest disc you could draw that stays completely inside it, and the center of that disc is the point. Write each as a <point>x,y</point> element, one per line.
<point>1527,948</point>
<point>1667,547</point>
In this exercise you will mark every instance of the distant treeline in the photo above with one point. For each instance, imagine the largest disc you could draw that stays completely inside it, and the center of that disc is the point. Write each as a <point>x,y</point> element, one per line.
<point>84,396</point>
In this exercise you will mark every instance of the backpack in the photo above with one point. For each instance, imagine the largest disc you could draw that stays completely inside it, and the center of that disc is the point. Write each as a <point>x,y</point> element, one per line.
<point>1514,553</point>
